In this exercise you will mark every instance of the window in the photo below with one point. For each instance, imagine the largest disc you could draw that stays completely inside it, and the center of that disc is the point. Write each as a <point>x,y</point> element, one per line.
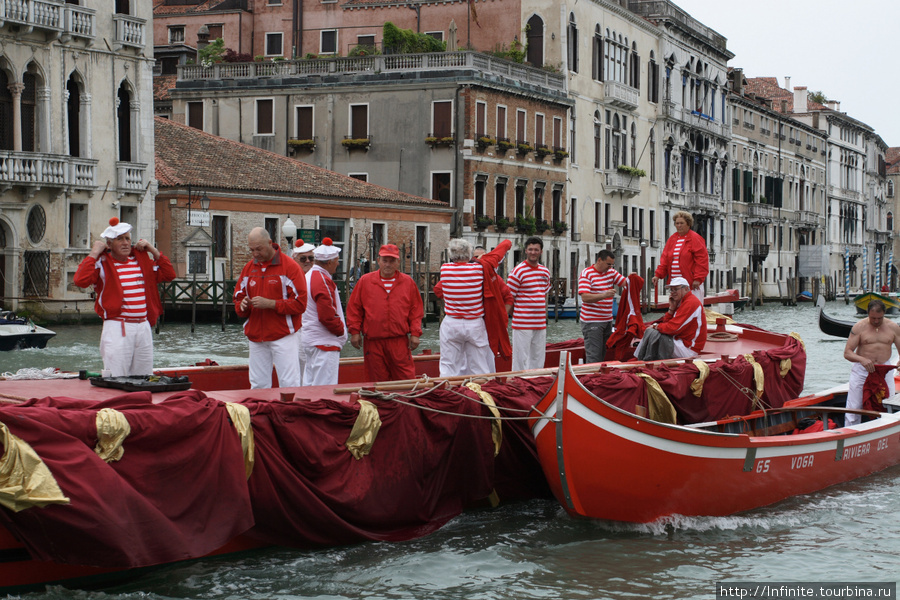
<point>438,35</point>
<point>597,55</point>
<point>176,34</point>
<point>480,184</point>
<point>480,119</point>
<point>890,189</point>
<point>195,115</point>
<point>328,41</point>
<point>573,221</point>
<point>535,41</point>
<point>633,144</point>
<point>652,79</point>
<point>421,243</point>
<point>74,116</point>
<point>520,197</point>
<point>573,44</point>
<point>500,198</point>
<point>652,155</point>
<point>304,129</point>
<point>335,229</point>
<point>366,41</point>
<point>557,134</point>
<point>538,130</point>
<point>220,236</point>
<point>359,176</point>
<point>123,116</point>
<point>378,235</point>
<point>440,186</point>
<point>442,119</point>
<point>538,201</point>
<point>274,44</point>
<point>598,126</point>
<point>79,233</point>
<point>265,124</point>
<point>197,261</point>
<point>501,123</point>
<point>557,204</point>
<point>359,121</point>
<point>572,158</point>
<point>216,31</point>
<point>271,225</point>
<point>37,273</point>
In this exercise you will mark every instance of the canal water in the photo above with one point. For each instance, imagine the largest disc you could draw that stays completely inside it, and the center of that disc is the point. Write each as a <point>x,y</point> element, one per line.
<point>533,550</point>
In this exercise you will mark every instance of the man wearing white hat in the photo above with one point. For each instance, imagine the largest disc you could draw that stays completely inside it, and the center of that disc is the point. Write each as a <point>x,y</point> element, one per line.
<point>303,256</point>
<point>681,332</point>
<point>271,295</point>
<point>126,297</point>
<point>325,330</point>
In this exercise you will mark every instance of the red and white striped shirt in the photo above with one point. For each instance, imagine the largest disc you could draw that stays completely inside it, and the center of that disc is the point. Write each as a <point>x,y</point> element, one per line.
<point>529,286</point>
<point>463,289</point>
<point>388,283</point>
<point>134,299</point>
<point>594,282</point>
<point>676,263</point>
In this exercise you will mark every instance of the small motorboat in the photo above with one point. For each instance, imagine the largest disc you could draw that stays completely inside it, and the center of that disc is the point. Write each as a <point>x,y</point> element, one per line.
<point>563,310</point>
<point>21,332</point>
<point>891,305</point>
<point>829,325</point>
<point>804,296</point>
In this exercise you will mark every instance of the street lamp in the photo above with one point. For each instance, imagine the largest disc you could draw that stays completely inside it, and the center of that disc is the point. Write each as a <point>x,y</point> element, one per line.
<point>289,231</point>
<point>199,197</point>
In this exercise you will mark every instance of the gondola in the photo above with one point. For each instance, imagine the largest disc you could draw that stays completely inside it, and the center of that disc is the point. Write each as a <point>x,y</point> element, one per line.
<point>830,325</point>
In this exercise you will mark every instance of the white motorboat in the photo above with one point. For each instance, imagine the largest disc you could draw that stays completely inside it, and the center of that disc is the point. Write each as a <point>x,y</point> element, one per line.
<point>20,332</point>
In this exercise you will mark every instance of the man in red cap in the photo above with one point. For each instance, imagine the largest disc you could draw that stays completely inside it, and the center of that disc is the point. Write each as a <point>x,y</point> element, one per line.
<point>126,297</point>
<point>386,309</point>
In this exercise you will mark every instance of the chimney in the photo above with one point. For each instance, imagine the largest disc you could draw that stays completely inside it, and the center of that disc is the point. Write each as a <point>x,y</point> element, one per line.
<point>834,105</point>
<point>787,83</point>
<point>737,82</point>
<point>202,37</point>
<point>800,96</point>
<point>784,106</point>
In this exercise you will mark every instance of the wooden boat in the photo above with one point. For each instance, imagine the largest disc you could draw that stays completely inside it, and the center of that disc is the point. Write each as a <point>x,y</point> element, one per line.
<point>804,296</point>
<point>725,297</point>
<point>829,325</point>
<point>19,332</point>
<point>892,305</point>
<point>604,462</point>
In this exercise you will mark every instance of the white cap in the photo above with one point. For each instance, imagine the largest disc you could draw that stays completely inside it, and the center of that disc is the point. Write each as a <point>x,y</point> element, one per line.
<point>306,247</point>
<point>115,229</point>
<point>676,281</point>
<point>327,250</point>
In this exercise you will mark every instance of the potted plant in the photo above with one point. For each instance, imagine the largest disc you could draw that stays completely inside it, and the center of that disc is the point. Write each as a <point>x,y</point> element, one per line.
<point>541,226</point>
<point>542,151</point>
<point>482,222</point>
<point>633,171</point>
<point>504,145</point>
<point>526,225</point>
<point>433,141</point>
<point>485,141</point>
<point>352,143</point>
<point>560,227</point>
<point>295,144</point>
<point>524,148</point>
<point>559,154</point>
<point>502,224</point>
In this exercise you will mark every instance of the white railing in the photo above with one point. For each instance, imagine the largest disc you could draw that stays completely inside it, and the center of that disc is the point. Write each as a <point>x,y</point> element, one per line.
<point>621,94</point>
<point>83,172</point>
<point>130,176</point>
<point>621,183</point>
<point>484,64</point>
<point>38,14</point>
<point>760,211</point>
<point>51,170</point>
<point>130,31</point>
<point>80,21</point>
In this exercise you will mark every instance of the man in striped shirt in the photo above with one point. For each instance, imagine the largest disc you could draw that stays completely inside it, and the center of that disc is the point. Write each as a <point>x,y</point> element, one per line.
<point>595,286</point>
<point>529,283</point>
<point>126,297</point>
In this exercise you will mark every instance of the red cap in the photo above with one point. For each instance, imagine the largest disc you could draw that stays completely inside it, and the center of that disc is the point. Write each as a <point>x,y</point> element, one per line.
<point>389,250</point>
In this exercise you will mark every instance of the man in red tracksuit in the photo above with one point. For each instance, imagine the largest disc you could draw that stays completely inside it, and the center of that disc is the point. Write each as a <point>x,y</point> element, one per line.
<point>386,310</point>
<point>681,332</point>
<point>270,294</point>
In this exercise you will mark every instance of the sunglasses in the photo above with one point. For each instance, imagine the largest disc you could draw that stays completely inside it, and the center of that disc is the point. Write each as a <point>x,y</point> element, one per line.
<point>305,258</point>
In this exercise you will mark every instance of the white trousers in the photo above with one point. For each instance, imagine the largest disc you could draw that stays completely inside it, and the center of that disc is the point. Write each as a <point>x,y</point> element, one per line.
<point>302,355</point>
<point>858,375</point>
<point>321,366</point>
<point>129,354</point>
<point>280,353</point>
<point>529,347</point>
<point>700,293</point>
<point>465,349</point>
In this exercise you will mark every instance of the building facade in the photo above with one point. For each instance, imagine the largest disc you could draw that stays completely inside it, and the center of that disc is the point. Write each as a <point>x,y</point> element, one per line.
<point>76,99</point>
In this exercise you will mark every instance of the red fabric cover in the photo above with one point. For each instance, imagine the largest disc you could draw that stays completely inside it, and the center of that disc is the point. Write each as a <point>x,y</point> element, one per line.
<point>875,388</point>
<point>566,345</point>
<point>179,491</point>
<point>629,322</point>
<point>817,426</point>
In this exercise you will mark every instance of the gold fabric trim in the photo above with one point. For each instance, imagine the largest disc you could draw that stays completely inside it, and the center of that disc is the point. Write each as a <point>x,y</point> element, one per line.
<point>25,480</point>
<point>785,367</point>
<point>365,430</point>
<point>661,409</point>
<point>759,377</point>
<point>240,418</point>
<point>112,429</point>
<point>797,337</point>
<point>697,385</point>
<point>496,431</point>
<point>712,315</point>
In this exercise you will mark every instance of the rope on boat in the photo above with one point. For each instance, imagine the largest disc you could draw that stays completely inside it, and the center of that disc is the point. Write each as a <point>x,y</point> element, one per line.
<point>399,399</point>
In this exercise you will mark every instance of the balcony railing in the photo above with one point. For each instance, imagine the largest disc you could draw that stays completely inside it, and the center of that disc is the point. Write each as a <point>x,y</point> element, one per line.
<point>621,95</point>
<point>620,183</point>
<point>33,14</point>
<point>806,218</point>
<point>80,21</point>
<point>483,64</point>
<point>760,211</point>
<point>760,251</point>
<point>130,31</point>
<point>696,120</point>
<point>35,170</point>
<point>704,203</point>
<point>130,176</point>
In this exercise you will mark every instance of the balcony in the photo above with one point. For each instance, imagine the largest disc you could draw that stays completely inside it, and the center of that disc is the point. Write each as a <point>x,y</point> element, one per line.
<point>760,213</point>
<point>79,22</point>
<point>620,183</point>
<point>696,120</point>
<point>130,177</point>
<point>807,219</point>
<point>621,95</point>
<point>34,171</point>
<point>33,15</point>
<point>130,31</point>
<point>760,251</point>
<point>698,202</point>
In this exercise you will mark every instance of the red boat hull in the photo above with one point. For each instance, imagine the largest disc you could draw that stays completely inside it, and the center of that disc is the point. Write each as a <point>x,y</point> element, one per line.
<point>606,463</point>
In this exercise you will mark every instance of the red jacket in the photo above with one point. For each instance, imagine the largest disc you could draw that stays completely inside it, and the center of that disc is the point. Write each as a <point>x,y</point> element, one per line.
<point>688,324</point>
<point>496,319</point>
<point>101,274</point>
<point>694,258</point>
<point>377,314</point>
<point>281,279</point>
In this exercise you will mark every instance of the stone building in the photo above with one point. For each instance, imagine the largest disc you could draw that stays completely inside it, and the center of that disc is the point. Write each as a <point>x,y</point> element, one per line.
<point>244,187</point>
<point>76,108</point>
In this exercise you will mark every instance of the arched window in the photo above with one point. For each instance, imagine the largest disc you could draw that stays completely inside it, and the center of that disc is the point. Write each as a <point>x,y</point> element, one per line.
<point>634,79</point>
<point>6,113</point>
<point>890,189</point>
<point>573,44</point>
<point>535,40</point>
<point>123,7</point>
<point>652,79</point>
<point>598,126</point>
<point>597,55</point>
<point>73,116</point>
<point>29,113</point>
<point>652,155</point>
<point>890,221</point>
<point>616,161</point>
<point>633,145</point>
<point>123,114</point>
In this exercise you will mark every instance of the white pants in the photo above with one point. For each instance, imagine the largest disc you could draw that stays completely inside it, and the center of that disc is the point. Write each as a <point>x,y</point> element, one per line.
<point>529,347</point>
<point>858,375</point>
<point>465,349</point>
<point>321,366</point>
<point>129,354</point>
<point>280,353</point>
<point>700,293</point>
<point>302,355</point>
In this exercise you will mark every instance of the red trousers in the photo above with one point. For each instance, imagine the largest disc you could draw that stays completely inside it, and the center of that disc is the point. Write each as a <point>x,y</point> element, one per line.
<point>388,359</point>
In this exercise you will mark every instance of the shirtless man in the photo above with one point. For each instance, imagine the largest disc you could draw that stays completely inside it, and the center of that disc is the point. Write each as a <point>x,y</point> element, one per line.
<point>869,344</point>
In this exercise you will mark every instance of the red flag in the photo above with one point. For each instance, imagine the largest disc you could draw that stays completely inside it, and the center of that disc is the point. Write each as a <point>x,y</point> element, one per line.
<point>474,14</point>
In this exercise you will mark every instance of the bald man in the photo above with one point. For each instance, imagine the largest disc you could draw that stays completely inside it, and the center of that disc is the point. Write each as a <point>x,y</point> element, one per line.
<point>270,294</point>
